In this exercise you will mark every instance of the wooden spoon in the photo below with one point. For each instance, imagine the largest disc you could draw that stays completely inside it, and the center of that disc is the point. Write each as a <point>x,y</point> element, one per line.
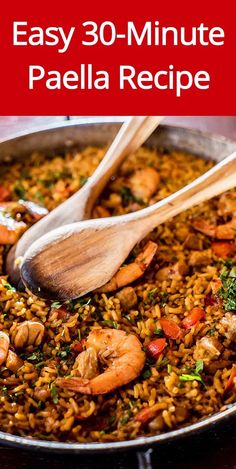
<point>131,136</point>
<point>75,259</point>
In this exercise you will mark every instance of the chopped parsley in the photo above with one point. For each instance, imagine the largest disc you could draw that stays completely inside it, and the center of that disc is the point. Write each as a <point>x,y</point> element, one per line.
<point>211,331</point>
<point>83,180</point>
<point>194,375</point>
<point>9,287</point>
<point>124,420</point>
<point>19,191</point>
<point>152,296</point>
<point>39,196</point>
<point>127,196</point>
<point>147,374</point>
<point>56,305</point>
<point>110,323</point>
<point>78,302</point>
<point>54,393</point>
<point>65,352</point>
<point>36,358</point>
<point>163,299</point>
<point>158,332</point>
<point>163,362</point>
<point>228,289</point>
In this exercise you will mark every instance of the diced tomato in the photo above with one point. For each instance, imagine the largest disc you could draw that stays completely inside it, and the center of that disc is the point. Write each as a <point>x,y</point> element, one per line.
<point>196,314</point>
<point>144,415</point>
<point>230,383</point>
<point>170,328</point>
<point>79,346</point>
<point>156,347</point>
<point>223,249</point>
<point>4,193</point>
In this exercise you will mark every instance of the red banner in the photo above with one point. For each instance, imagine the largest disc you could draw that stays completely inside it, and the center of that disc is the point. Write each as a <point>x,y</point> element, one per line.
<point>106,58</point>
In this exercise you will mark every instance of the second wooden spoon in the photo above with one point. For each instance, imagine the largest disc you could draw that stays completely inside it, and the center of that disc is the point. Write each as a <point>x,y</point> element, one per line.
<point>78,258</point>
<point>131,136</point>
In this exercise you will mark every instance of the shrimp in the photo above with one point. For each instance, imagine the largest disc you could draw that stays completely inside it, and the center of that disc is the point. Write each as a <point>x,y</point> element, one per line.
<point>131,272</point>
<point>122,355</point>
<point>10,229</point>
<point>227,204</point>
<point>36,211</point>
<point>225,231</point>
<point>4,346</point>
<point>144,183</point>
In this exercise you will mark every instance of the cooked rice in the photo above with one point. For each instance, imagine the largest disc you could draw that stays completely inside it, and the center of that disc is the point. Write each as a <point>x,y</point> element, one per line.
<point>55,414</point>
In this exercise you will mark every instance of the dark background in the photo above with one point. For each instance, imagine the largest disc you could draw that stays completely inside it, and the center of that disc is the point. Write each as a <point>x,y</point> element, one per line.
<point>214,449</point>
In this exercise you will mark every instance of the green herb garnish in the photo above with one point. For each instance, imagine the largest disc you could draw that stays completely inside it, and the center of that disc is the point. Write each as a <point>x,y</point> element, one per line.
<point>164,299</point>
<point>158,332</point>
<point>194,375</point>
<point>35,357</point>
<point>124,420</point>
<point>228,289</point>
<point>147,374</point>
<point>54,393</point>
<point>83,180</point>
<point>152,297</point>
<point>211,331</point>
<point>163,362</point>
<point>79,301</point>
<point>110,323</point>
<point>65,352</point>
<point>56,305</point>
<point>127,196</point>
<point>9,287</point>
<point>19,191</point>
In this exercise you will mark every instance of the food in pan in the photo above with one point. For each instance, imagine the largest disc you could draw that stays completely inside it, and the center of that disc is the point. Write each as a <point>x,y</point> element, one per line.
<point>150,351</point>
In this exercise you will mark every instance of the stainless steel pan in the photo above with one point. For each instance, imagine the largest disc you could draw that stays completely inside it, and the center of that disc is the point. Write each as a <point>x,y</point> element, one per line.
<point>100,131</point>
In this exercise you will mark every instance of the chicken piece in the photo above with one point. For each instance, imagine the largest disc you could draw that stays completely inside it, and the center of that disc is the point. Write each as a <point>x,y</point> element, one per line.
<point>27,333</point>
<point>13,362</point>
<point>173,272</point>
<point>207,349</point>
<point>200,258</point>
<point>144,183</point>
<point>86,364</point>
<point>41,394</point>
<point>228,323</point>
<point>128,298</point>
<point>193,242</point>
<point>157,424</point>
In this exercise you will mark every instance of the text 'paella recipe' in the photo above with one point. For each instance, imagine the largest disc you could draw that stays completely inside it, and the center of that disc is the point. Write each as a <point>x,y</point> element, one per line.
<point>87,76</point>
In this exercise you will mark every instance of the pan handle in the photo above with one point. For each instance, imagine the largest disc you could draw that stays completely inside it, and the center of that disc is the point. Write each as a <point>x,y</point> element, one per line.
<point>145,459</point>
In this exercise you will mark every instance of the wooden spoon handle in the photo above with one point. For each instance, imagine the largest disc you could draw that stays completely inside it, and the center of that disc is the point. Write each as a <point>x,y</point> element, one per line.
<point>217,180</point>
<point>130,137</point>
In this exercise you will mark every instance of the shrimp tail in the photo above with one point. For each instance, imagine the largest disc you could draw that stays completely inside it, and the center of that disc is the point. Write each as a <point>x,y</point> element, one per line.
<point>131,272</point>
<point>145,257</point>
<point>74,384</point>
